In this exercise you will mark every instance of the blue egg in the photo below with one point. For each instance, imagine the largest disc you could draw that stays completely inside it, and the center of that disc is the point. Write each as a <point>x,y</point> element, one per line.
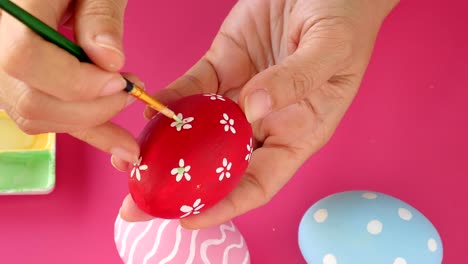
<point>363,227</point>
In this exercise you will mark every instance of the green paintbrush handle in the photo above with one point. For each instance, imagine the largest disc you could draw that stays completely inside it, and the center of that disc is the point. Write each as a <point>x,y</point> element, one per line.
<point>44,30</point>
<point>58,39</point>
<point>49,34</point>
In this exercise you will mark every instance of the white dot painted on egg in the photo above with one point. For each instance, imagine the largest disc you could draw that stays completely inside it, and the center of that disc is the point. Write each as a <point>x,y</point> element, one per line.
<point>369,196</point>
<point>399,261</point>
<point>374,227</point>
<point>321,215</point>
<point>405,214</point>
<point>329,259</point>
<point>432,245</point>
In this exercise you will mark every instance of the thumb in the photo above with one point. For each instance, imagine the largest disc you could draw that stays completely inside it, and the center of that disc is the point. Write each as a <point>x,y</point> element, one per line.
<point>290,81</point>
<point>99,30</point>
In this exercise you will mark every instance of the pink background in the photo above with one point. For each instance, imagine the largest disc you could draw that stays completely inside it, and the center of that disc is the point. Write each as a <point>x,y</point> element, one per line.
<point>405,135</point>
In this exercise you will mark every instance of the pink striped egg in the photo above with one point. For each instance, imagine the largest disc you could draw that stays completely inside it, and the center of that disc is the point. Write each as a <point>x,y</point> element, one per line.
<point>164,241</point>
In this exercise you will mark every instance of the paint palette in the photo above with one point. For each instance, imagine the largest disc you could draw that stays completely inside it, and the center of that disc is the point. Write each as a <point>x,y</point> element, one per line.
<point>27,162</point>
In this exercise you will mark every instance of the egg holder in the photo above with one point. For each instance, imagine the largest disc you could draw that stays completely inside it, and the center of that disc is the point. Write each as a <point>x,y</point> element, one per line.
<point>27,162</point>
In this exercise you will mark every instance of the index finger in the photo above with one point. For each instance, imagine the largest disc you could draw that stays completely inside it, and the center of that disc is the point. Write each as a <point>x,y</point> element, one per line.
<point>43,65</point>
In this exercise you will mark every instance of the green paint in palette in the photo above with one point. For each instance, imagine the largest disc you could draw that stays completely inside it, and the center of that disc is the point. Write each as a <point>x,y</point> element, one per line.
<point>27,162</point>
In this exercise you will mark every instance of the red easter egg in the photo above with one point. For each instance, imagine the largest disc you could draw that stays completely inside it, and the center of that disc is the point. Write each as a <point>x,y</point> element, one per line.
<point>187,167</point>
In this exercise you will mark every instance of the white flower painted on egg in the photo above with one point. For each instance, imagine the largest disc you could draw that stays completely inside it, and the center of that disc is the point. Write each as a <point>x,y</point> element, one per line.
<point>137,167</point>
<point>249,151</point>
<point>184,124</point>
<point>194,209</point>
<point>228,123</point>
<point>224,170</point>
<point>181,171</point>
<point>214,96</point>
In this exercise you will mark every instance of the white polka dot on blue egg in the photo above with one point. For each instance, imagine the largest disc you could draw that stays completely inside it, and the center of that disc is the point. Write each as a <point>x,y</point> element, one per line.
<point>364,227</point>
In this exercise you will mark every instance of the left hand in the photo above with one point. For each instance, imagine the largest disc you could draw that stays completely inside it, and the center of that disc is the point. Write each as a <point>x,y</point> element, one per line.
<point>294,67</point>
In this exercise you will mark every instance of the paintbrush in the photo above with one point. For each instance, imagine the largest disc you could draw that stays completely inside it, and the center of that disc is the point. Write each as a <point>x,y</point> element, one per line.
<point>58,39</point>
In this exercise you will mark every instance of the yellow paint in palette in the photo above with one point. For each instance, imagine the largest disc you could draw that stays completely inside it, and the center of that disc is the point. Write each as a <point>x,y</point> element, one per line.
<point>27,162</point>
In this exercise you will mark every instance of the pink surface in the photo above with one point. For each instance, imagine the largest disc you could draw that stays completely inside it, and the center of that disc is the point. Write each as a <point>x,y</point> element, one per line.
<point>405,135</point>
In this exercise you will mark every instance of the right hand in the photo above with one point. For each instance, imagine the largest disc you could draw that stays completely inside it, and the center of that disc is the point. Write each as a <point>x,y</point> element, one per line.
<point>45,89</point>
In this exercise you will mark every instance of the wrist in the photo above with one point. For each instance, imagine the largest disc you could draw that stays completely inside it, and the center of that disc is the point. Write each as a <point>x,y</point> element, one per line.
<point>374,12</point>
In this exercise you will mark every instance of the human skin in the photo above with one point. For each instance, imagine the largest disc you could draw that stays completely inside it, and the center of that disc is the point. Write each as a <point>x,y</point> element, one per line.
<point>45,89</point>
<point>294,67</point>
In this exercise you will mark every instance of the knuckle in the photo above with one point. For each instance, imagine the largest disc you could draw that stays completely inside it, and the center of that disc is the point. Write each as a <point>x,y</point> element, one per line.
<point>27,126</point>
<point>262,196</point>
<point>76,92</point>
<point>301,82</point>
<point>106,9</point>
<point>106,115</point>
<point>25,105</point>
<point>84,135</point>
<point>339,35</point>
<point>16,55</point>
<point>345,51</point>
<point>79,88</point>
<point>109,14</point>
<point>343,46</point>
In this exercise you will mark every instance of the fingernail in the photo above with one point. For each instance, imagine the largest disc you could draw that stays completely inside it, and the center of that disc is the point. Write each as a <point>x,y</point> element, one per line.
<point>257,105</point>
<point>113,162</point>
<point>107,41</point>
<point>115,165</point>
<point>124,155</point>
<point>113,86</point>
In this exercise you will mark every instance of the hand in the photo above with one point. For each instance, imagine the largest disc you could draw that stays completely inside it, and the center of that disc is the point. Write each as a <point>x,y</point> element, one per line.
<point>294,67</point>
<point>45,89</point>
